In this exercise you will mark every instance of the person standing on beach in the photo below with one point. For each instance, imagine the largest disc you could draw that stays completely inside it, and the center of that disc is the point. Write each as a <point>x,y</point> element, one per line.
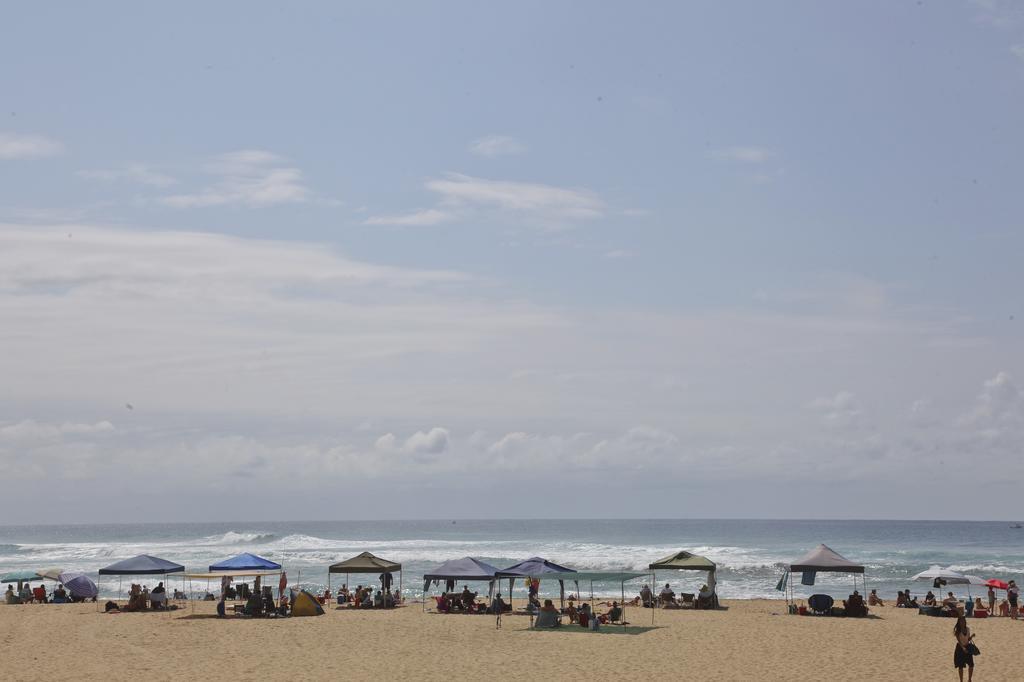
<point>963,655</point>
<point>1012,593</point>
<point>991,600</point>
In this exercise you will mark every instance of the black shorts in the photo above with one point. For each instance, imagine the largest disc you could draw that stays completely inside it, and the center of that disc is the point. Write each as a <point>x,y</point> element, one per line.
<point>961,658</point>
<point>1013,600</point>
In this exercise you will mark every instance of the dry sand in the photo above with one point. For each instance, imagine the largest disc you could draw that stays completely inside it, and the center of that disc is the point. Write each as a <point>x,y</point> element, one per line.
<point>752,640</point>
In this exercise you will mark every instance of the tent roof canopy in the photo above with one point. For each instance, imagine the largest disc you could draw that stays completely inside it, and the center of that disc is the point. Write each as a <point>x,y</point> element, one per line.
<point>245,561</point>
<point>950,576</point>
<point>466,568</point>
<point>534,567</point>
<point>686,561</point>
<point>824,559</point>
<point>365,563</point>
<point>143,564</point>
<point>240,573</point>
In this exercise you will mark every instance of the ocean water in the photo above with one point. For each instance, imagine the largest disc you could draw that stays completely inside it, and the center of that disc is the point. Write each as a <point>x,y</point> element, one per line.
<point>750,553</point>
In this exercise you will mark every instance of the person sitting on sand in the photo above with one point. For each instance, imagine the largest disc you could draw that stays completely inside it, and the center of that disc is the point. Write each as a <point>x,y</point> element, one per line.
<point>911,601</point>
<point>646,596</point>
<point>901,599</point>
<point>1004,608</point>
<point>254,605</point>
<point>705,598</point>
<point>282,607</point>
<point>950,602</point>
<point>978,606</point>
<point>929,599</point>
<point>667,596</point>
<point>60,595</point>
<point>584,616</point>
<point>25,594</point>
<point>468,598</point>
<point>572,613</point>
<point>326,599</point>
<point>39,594</point>
<point>873,599</point>
<point>615,612</point>
<point>378,599</point>
<point>854,605</point>
<point>10,597</point>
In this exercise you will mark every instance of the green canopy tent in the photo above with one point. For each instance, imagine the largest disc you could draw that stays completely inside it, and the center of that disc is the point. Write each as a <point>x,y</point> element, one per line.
<point>366,563</point>
<point>687,561</point>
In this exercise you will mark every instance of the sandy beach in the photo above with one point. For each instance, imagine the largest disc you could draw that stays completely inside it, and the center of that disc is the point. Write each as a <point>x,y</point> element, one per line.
<point>750,640</point>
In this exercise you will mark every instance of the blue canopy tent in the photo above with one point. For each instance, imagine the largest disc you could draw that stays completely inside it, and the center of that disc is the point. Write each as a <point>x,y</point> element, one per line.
<point>466,569</point>
<point>143,564</point>
<point>536,567</point>
<point>245,562</point>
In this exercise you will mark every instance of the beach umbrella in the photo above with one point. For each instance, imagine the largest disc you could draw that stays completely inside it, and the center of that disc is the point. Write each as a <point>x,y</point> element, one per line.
<point>948,576</point>
<point>997,584</point>
<point>20,577</point>
<point>79,585</point>
<point>51,574</point>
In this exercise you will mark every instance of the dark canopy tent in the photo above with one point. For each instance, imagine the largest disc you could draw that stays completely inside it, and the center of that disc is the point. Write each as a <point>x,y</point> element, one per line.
<point>245,562</point>
<point>823,559</point>
<point>142,564</point>
<point>687,561</point>
<point>536,567</point>
<point>365,563</point>
<point>466,569</point>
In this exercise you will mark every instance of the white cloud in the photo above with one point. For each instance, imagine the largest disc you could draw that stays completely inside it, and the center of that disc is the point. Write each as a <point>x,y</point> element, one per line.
<point>132,172</point>
<point>251,177</point>
<point>23,146</point>
<point>841,409</point>
<point>496,145</point>
<point>433,442</point>
<point>424,217</point>
<point>29,430</point>
<point>743,154</point>
<point>463,197</point>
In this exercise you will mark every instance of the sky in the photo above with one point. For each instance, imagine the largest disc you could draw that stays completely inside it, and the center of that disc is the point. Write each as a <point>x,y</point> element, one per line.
<point>497,260</point>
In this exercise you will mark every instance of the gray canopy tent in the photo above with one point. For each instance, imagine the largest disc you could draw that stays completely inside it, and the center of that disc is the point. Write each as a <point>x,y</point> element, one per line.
<point>367,563</point>
<point>821,559</point>
<point>466,569</point>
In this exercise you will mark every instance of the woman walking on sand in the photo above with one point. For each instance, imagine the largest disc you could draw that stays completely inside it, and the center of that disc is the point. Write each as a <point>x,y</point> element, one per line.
<point>1012,593</point>
<point>963,655</point>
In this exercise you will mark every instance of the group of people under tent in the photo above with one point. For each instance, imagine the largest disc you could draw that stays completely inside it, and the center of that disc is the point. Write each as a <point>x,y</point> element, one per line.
<point>952,607</point>
<point>365,596</point>
<point>667,598</point>
<point>550,616</point>
<point>460,602</point>
<point>141,598</point>
<point>28,595</point>
<point>259,600</point>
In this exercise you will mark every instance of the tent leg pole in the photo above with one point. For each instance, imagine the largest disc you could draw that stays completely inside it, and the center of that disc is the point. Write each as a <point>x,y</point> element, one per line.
<point>622,596</point>
<point>654,586</point>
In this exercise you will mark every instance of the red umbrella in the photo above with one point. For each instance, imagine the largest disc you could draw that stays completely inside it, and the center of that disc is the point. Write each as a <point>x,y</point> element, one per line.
<point>998,584</point>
